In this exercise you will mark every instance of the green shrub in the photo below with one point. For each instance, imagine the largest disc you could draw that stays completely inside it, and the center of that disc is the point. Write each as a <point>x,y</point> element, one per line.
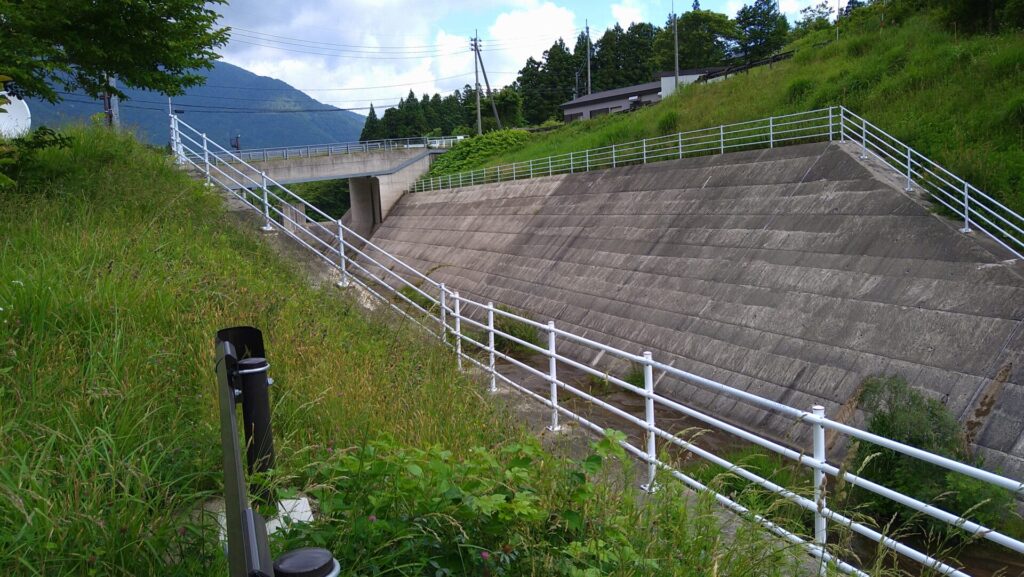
<point>419,298</point>
<point>493,512</point>
<point>668,122</point>
<point>516,328</point>
<point>898,412</point>
<point>472,152</point>
<point>799,89</point>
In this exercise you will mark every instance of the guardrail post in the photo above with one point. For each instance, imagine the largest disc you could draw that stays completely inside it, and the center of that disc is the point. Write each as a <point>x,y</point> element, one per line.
<point>830,129</point>
<point>444,313</point>
<point>721,139</point>
<point>863,139</point>
<point>531,168</point>
<point>549,166</point>
<point>771,132</point>
<point>513,172</point>
<point>652,449</point>
<point>267,227</point>
<point>613,156</point>
<point>571,167</point>
<point>820,529</point>
<point>206,158</point>
<point>490,346</point>
<point>967,209</point>
<point>679,143</point>
<point>458,329</point>
<point>343,283</point>
<point>586,158</point>
<point>910,173</point>
<point>644,146</point>
<point>553,378</point>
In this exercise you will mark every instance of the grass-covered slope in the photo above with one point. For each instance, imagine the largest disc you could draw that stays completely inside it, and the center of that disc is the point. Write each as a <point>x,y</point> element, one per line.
<point>115,272</point>
<point>959,100</point>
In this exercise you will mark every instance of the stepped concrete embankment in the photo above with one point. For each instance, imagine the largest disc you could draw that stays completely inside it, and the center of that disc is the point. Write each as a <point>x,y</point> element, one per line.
<point>791,273</point>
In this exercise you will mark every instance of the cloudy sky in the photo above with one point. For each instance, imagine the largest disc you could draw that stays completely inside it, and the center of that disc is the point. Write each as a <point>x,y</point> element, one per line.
<point>350,53</point>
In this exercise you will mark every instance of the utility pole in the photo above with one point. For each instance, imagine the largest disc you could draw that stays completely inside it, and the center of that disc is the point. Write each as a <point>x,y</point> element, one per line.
<point>476,70</point>
<point>494,107</point>
<point>588,55</point>
<point>837,20</point>
<point>675,33</point>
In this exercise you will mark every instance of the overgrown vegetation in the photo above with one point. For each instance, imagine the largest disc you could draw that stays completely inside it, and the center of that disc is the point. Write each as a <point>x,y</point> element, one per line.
<point>903,414</point>
<point>516,329</point>
<point>115,272</point>
<point>116,269</point>
<point>519,511</point>
<point>469,152</point>
<point>957,99</point>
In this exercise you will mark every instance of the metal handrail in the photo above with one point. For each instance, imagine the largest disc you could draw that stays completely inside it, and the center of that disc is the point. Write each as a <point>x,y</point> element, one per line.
<point>450,317</point>
<point>975,208</point>
<point>337,148</point>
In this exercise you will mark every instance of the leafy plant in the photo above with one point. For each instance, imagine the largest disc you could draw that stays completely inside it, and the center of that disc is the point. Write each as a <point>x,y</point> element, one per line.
<point>471,152</point>
<point>898,412</point>
<point>514,328</point>
<point>15,153</point>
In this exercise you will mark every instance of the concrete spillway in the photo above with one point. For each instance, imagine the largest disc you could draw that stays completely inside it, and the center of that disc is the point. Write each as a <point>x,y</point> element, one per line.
<point>791,273</point>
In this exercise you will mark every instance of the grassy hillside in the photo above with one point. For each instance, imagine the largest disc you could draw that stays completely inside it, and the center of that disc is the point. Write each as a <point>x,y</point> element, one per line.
<point>115,272</point>
<point>958,100</point>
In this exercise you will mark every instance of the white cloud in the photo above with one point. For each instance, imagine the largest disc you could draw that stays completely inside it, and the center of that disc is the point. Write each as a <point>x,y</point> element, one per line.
<point>336,50</point>
<point>522,33</point>
<point>628,12</point>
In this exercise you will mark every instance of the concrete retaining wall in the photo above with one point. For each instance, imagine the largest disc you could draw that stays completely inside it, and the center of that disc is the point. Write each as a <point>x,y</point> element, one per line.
<point>791,273</point>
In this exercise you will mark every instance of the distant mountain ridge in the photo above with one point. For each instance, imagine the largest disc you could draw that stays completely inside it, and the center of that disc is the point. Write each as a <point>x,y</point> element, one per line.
<point>233,102</point>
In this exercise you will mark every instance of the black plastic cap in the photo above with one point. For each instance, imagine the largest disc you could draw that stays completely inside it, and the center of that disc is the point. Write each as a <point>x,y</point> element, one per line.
<point>306,562</point>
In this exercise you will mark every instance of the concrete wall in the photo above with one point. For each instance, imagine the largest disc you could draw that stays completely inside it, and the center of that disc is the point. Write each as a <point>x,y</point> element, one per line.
<point>791,273</point>
<point>337,166</point>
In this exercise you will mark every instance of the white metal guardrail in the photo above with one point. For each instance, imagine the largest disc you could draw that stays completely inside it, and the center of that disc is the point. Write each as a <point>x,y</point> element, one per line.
<point>470,328</point>
<point>338,148</point>
<point>974,207</point>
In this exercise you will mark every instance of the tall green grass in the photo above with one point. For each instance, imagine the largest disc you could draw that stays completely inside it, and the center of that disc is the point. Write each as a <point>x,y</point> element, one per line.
<point>956,99</point>
<point>116,270</point>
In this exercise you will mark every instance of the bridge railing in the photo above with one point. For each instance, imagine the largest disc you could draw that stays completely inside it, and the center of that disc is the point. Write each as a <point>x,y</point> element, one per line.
<point>339,148</point>
<point>977,210</point>
<point>475,329</point>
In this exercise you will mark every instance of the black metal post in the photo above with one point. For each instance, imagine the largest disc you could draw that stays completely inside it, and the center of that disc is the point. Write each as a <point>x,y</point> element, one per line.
<point>248,550</point>
<point>242,378</point>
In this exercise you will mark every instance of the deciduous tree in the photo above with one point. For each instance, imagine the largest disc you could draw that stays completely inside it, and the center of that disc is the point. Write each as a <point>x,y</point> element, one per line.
<point>77,44</point>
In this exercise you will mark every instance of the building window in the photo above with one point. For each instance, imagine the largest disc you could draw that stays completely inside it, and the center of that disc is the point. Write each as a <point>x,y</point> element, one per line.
<point>573,116</point>
<point>598,112</point>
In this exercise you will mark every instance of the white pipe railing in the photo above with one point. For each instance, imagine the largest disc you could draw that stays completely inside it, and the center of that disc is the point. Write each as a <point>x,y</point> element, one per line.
<point>447,314</point>
<point>339,148</point>
<point>973,207</point>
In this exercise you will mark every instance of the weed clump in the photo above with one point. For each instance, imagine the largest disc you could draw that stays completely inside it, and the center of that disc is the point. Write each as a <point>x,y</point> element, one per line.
<point>901,413</point>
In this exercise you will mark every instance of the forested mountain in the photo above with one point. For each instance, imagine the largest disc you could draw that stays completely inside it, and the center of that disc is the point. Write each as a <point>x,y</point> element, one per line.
<point>264,111</point>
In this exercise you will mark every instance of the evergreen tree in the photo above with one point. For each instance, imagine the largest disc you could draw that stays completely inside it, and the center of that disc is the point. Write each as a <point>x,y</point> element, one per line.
<point>372,127</point>
<point>705,39</point>
<point>762,29</point>
<point>814,17</point>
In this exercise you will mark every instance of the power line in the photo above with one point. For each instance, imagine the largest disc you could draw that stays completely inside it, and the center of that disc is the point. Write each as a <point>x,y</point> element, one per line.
<point>347,51</point>
<point>344,55</point>
<point>351,88</point>
<point>233,110</point>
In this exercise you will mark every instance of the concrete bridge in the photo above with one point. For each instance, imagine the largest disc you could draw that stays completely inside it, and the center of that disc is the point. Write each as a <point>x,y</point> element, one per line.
<point>379,172</point>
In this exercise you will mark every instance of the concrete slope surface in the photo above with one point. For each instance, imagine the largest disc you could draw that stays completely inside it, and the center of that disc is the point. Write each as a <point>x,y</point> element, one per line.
<point>791,273</point>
